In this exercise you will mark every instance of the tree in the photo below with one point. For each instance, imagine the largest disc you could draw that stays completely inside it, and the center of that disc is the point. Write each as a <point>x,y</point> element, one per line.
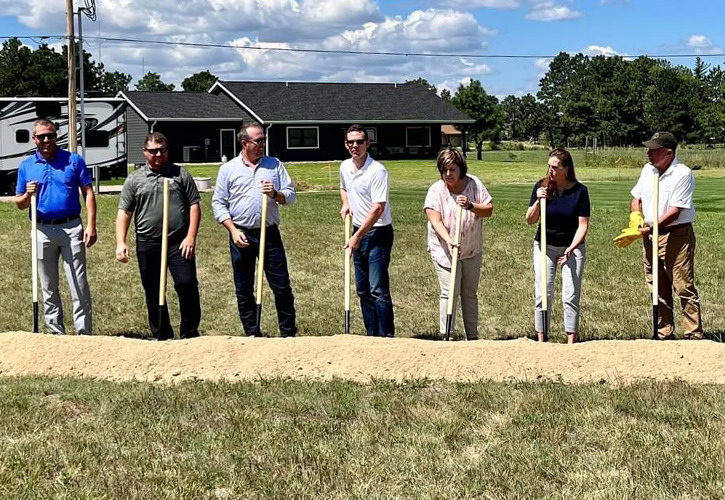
<point>531,123</point>
<point>114,82</point>
<point>199,82</point>
<point>422,81</point>
<point>446,95</point>
<point>473,100</point>
<point>715,120</point>
<point>700,70</point>
<point>151,82</point>
<point>41,72</point>
<point>511,113</point>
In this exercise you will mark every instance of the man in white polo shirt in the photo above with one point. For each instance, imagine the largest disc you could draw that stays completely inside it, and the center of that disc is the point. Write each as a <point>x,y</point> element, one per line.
<point>365,194</point>
<point>676,255</point>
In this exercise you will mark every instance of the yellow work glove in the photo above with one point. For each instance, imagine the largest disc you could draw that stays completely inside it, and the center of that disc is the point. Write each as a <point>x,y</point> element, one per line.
<point>626,237</point>
<point>636,220</point>
<point>631,233</point>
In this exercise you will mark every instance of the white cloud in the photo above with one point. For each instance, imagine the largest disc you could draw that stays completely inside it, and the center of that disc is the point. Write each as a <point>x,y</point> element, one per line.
<point>422,31</point>
<point>702,45</point>
<point>699,41</point>
<point>248,30</point>
<point>483,4</point>
<point>474,69</point>
<point>549,11</point>
<point>601,50</point>
<point>542,64</point>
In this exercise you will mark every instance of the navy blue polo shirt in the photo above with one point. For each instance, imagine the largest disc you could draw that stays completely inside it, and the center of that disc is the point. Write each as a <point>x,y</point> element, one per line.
<point>58,182</point>
<point>562,214</point>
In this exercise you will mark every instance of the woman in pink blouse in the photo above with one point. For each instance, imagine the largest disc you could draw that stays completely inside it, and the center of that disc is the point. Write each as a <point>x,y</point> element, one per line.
<point>457,188</point>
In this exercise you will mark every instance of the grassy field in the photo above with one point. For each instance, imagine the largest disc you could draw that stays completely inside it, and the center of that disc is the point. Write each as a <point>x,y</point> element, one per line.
<point>275,439</point>
<point>615,303</point>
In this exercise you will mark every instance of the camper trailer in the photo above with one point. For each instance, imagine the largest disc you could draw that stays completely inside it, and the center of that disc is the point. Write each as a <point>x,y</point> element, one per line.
<point>105,133</point>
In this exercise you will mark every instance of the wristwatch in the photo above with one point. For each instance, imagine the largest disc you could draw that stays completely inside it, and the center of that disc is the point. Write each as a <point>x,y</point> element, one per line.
<point>470,205</point>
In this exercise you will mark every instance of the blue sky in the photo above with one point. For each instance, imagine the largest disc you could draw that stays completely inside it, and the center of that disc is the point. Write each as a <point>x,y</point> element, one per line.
<point>482,27</point>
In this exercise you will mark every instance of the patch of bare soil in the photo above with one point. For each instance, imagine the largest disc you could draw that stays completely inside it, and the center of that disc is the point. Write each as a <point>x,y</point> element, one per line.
<point>359,358</point>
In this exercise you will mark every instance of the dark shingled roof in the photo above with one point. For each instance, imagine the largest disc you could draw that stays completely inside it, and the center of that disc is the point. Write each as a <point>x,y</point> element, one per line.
<point>295,102</point>
<point>186,106</point>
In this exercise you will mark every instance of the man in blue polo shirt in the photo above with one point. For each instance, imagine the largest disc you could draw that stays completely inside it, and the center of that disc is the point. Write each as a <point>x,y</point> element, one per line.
<point>56,176</point>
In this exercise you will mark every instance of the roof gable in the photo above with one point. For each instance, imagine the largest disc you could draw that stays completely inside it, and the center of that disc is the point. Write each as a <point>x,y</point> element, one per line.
<point>186,106</point>
<point>299,102</point>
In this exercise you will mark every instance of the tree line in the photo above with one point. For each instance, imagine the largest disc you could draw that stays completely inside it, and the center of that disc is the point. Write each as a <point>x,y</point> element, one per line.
<point>613,100</point>
<point>581,99</point>
<point>27,72</point>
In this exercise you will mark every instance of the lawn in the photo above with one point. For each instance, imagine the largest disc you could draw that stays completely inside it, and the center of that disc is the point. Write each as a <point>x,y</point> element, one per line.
<point>277,439</point>
<point>615,303</point>
<point>85,439</point>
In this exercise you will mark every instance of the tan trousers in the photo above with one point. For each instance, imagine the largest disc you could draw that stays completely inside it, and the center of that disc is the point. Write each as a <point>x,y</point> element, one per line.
<point>676,259</point>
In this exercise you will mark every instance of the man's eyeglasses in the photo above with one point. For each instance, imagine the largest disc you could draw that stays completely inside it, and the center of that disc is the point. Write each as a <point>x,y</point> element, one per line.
<point>42,137</point>
<point>359,142</point>
<point>258,142</point>
<point>155,151</point>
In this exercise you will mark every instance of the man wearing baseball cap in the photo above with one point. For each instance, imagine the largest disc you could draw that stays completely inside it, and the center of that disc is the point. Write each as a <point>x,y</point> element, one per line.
<point>676,254</point>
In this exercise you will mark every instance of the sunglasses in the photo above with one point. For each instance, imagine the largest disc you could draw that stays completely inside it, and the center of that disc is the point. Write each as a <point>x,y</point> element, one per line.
<point>155,151</point>
<point>359,142</point>
<point>259,141</point>
<point>42,137</point>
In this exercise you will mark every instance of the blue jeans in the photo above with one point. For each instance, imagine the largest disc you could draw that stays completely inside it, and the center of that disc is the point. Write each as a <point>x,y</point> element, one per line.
<point>372,280</point>
<point>244,263</point>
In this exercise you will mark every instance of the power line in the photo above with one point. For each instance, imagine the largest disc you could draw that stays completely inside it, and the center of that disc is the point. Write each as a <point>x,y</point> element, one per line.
<point>102,39</point>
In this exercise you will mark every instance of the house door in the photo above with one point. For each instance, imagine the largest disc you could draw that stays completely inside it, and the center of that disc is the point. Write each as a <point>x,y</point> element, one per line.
<point>228,143</point>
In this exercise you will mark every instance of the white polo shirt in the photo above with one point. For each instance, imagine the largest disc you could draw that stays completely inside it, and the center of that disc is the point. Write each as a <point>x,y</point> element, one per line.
<point>364,187</point>
<point>677,187</point>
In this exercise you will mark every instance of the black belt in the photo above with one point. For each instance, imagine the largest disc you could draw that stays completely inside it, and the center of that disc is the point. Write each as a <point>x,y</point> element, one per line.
<point>669,229</point>
<point>57,222</point>
<point>252,229</point>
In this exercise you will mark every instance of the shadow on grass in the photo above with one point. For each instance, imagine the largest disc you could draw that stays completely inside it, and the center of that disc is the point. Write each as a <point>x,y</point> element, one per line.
<point>136,334</point>
<point>715,336</point>
<point>427,336</point>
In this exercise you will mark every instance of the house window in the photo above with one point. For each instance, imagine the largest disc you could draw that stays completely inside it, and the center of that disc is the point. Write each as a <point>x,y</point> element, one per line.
<point>303,137</point>
<point>372,134</point>
<point>22,136</point>
<point>417,137</point>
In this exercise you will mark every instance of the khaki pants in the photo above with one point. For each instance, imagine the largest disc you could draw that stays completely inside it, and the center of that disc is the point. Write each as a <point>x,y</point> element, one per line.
<point>676,259</point>
<point>467,279</point>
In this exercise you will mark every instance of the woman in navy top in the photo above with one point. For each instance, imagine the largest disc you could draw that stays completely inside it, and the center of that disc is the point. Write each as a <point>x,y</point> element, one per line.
<point>567,223</point>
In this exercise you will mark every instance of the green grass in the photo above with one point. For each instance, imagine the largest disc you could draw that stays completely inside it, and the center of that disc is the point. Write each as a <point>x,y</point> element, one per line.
<point>615,303</point>
<point>276,439</point>
<point>496,167</point>
<point>83,439</point>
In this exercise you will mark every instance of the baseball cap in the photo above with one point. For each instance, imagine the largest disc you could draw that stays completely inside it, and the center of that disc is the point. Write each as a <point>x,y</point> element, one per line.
<point>661,140</point>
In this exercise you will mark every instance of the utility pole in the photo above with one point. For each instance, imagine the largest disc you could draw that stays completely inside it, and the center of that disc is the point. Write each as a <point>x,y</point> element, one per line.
<point>90,11</point>
<point>72,113</point>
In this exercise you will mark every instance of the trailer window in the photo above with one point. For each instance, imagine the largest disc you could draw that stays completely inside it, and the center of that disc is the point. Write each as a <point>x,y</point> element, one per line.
<point>45,109</point>
<point>96,139</point>
<point>22,136</point>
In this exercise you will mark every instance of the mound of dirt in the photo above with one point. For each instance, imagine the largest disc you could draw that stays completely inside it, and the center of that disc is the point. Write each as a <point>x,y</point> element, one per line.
<point>358,358</point>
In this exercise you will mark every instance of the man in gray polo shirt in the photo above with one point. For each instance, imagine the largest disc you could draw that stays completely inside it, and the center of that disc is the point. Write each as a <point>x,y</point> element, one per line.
<point>142,197</point>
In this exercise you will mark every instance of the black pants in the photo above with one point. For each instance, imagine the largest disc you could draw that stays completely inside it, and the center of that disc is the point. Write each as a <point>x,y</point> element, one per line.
<point>244,261</point>
<point>183,271</point>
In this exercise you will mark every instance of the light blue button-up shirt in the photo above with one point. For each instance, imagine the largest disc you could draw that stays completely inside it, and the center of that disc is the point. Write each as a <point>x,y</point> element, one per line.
<point>238,191</point>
